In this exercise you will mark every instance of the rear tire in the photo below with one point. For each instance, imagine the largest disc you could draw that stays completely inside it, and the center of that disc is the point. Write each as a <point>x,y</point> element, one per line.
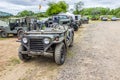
<point>76,29</point>
<point>4,34</point>
<point>71,44</point>
<point>23,57</point>
<point>60,53</point>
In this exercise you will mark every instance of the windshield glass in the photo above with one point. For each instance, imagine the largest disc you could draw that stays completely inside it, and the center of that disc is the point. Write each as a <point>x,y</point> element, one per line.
<point>63,17</point>
<point>12,20</point>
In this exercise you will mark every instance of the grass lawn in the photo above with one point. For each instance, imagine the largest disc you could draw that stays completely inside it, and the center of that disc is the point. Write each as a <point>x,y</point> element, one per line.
<point>3,38</point>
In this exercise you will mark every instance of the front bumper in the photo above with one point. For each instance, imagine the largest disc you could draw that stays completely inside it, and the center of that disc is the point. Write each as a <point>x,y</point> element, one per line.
<point>36,45</point>
<point>31,53</point>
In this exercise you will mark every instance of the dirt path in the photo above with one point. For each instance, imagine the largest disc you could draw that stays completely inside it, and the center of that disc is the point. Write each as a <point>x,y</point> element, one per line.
<point>95,56</point>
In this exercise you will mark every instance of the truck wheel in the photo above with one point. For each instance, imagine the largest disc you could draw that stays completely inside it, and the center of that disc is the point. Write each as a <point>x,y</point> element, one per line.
<point>4,34</point>
<point>60,53</point>
<point>76,29</point>
<point>80,23</point>
<point>20,33</point>
<point>71,44</point>
<point>23,57</point>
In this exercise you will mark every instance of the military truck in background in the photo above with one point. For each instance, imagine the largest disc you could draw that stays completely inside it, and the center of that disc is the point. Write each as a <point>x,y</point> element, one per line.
<point>78,20</point>
<point>63,19</point>
<point>17,26</point>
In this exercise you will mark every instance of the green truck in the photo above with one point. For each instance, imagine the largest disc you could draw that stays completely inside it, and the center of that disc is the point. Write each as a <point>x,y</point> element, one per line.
<point>16,26</point>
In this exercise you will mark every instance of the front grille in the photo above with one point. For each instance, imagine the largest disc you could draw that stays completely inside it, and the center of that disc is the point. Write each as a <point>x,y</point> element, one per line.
<point>36,44</point>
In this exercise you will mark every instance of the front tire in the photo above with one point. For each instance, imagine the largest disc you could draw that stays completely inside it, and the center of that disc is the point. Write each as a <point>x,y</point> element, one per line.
<point>20,33</point>
<point>76,29</point>
<point>71,44</point>
<point>4,34</point>
<point>60,53</point>
<point>23,57</point>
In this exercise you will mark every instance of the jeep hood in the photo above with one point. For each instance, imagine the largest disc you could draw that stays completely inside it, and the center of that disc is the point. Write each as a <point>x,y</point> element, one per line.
<point>47,31</point>
<point>2,23</point>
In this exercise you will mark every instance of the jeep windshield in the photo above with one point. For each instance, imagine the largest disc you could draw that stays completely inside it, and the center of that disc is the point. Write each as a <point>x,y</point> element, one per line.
<point>13,20</point>
<point>54,28</point>
<point>63,17</point>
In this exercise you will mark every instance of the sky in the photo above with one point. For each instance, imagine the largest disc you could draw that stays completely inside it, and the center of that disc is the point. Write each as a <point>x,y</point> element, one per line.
<point>15,6</point>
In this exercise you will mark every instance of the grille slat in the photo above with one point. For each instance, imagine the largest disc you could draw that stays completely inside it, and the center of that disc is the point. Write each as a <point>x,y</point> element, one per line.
<point>36,44</point>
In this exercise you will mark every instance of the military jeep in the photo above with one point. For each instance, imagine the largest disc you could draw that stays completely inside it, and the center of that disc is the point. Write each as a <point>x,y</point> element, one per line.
<point>78,20</point>
<point>16,26</point>
<point>63,19</point>
<point>53,40</point>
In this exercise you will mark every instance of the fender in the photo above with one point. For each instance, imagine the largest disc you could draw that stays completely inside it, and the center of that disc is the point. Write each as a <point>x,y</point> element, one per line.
<point>1,28</point>
<point>19,29</point>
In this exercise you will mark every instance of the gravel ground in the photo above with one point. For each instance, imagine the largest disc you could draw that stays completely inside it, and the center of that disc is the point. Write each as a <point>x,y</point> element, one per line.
<point>94,56</point>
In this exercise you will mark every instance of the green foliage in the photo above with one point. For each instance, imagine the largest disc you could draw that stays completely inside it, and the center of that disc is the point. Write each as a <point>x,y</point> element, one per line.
<point>55,8</point>
<point>25,13</point>
<point>3,38</point>
<point>96,12</point>
<point>40,15</point>
<point>118,14</point>
<point>14,61</point>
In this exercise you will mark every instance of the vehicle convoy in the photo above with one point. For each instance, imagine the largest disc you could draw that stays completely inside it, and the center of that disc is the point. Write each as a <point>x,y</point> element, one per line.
<point>16,26</point>
<point>65,18</point>
<point>53,40</point>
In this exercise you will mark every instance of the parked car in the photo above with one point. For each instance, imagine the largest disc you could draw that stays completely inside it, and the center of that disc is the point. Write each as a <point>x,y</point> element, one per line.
<point>85,20</point>
<point>104,19</point>
<point>16,26</point>
<point>54,40</point>
<point>95,17</point>
<point>114,19</point>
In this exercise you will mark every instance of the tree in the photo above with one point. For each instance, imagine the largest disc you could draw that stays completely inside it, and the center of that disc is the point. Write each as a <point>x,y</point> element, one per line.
<point>55,8</point>
<point>118,14</point>
<point>40,14</point>
<point>25,13</point>
<point>78,7</point>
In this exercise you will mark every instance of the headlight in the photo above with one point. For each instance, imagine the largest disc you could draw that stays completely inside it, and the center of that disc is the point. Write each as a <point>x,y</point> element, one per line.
<point>25,40</point>
<point>46,40</point>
